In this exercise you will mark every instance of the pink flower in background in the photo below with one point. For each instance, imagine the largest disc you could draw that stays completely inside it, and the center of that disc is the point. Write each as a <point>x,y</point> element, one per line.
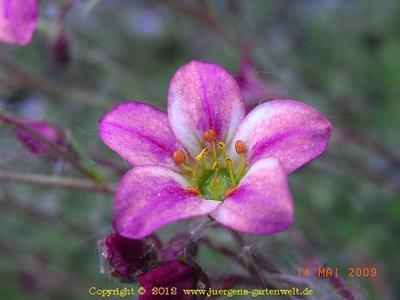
<point>253,88</point>
<point>207,158</point>
<point>18,20</point>
<point>46,130</point>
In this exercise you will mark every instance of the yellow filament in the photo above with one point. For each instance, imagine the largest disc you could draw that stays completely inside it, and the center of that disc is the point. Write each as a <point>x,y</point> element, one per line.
<point>214,150</point>
<point>221,147</point>
<point>194,178</point>
<point>186,167</point>
<point>242,167</point>
<point>230,170</point>
<point>215,166</point>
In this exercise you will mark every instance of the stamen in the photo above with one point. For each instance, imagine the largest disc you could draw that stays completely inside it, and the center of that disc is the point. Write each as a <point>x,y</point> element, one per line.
<point>203,154</point>
<point>240,147</point>
<point>193,190</point>
<point>179,157</point>
<point>230,170</point>
<point>186,168</point>
<point>210,135</point>
<point>242,167</point>
<point>194,176</point>
<point>221,148</point>
<point>214,151</point>
<point>215,166</point>
<point>230,191</point>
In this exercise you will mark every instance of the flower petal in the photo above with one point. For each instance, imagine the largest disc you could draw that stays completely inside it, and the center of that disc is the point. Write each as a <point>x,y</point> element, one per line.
<point>140,134</point>
<point>288,130</point>
<point>201,97</point>
<point>18,20</point>
<point>262,203</point>
<point>150,197</point>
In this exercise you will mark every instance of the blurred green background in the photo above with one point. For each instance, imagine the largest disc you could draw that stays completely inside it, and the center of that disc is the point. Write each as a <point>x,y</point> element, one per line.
<point>342,57</point>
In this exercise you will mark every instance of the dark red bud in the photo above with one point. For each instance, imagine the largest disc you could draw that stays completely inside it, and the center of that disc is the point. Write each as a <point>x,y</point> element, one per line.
<point>128,258</point>
<point>175,276</point>
<point>61,51</point>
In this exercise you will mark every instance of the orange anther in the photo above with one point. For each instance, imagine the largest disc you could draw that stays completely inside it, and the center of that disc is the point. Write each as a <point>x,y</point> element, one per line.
<point>193,190</point>
<point>179,157</point>
<point>210,135</point>
<point>240,147</point>
<point>230,191</point>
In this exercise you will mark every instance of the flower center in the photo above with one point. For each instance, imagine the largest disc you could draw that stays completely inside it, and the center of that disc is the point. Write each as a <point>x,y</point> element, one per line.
<point>212,174</point>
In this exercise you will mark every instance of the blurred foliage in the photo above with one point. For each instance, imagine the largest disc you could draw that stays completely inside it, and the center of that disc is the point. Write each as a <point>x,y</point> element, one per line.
<point>343,57</point>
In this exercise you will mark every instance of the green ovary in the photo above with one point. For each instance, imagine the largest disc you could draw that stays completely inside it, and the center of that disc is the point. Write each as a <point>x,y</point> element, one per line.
<point>214,186</point>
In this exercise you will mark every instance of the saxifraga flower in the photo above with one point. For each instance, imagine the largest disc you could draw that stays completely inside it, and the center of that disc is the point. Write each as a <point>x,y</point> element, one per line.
<point>18,20</point>
<point>207,157</point>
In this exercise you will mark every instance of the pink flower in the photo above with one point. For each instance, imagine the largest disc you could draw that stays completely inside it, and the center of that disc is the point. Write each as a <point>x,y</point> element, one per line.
<point>48,131</point>
<point>18,20</point>
<point>207,157</point>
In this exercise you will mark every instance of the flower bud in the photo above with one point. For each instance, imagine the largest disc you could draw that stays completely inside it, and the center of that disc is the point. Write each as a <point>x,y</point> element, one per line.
<point>128,258</point>
<point>61,51</point>
<point>46,130</point>
<point>175,276</point>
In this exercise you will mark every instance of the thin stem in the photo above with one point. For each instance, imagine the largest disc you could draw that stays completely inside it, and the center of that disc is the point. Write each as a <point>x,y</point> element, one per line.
<point>263,261</point>
<point>252,270</point>
<point>58,150</point>
<point>48,276</point>
<point>370,145</point>
<point>108,163</point>
<point>337,283</point>
<point>156,241</point>
<point>341,288</point>
<point>31,211</point>
<point>51,180</point>
<point>204,16</point>
<point>48,87</point>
